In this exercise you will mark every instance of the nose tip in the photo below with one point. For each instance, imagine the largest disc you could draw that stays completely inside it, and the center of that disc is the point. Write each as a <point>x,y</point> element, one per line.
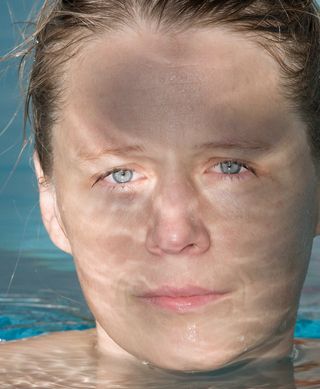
<point>185,237</point>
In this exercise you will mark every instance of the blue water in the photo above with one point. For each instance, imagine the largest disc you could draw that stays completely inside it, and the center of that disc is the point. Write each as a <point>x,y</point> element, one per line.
<point>39,291</point>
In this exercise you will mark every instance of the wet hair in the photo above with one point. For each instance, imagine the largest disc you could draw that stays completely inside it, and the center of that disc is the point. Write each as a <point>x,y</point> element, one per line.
<point>288,29</point>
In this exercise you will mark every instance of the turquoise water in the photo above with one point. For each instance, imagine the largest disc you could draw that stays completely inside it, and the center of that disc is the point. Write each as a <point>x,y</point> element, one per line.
<point>39,291</point>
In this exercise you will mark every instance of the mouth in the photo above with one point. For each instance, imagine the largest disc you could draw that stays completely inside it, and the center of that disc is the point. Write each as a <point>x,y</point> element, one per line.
<point>181,299</point>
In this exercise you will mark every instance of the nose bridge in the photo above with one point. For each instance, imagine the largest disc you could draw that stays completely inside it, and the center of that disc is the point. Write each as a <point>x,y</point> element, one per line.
<point>176,224</point>
<point>175,196</point>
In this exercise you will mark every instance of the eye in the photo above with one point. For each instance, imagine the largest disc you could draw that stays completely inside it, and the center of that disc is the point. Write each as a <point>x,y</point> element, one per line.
<point>122,176</point>
<point>118,178</point>
<point>232,169</point>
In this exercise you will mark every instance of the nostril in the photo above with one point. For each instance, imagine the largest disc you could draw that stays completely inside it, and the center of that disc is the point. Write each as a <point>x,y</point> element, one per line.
<point>191,247</point>
<point>179,237</point>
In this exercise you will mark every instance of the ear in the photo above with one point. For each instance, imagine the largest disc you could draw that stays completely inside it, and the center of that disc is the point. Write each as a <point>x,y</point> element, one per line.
<point>49,209</point>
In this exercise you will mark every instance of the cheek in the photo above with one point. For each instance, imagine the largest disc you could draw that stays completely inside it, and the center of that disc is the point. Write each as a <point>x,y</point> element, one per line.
<point>264,231</point>
<point>107,236</point>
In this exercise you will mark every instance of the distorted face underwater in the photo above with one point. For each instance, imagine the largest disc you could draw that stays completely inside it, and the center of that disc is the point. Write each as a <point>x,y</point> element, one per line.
<point>183,186</point>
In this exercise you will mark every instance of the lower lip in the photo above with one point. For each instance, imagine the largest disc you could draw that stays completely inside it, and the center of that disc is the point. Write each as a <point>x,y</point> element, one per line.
<point>182,303</point>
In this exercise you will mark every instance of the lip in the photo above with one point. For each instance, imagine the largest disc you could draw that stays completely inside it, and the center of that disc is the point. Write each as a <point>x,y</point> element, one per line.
<point>181,299</point>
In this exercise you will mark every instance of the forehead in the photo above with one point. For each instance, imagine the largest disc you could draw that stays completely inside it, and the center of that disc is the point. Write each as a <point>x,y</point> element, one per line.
<point>174,89</point>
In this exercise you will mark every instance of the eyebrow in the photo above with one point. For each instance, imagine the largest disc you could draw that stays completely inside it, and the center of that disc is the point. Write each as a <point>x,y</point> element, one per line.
<point>233,145</point>
<point>227,145</point>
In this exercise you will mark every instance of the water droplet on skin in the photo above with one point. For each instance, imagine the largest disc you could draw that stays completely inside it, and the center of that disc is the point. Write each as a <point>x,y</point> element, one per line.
<point>242,339</point>
<point>192,333</point>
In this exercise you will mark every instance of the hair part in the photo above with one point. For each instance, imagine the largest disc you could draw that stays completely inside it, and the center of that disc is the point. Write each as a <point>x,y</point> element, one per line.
<point>288,29</point>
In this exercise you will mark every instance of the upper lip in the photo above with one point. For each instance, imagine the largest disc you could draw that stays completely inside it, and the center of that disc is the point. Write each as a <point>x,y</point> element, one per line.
<point>187,291</point>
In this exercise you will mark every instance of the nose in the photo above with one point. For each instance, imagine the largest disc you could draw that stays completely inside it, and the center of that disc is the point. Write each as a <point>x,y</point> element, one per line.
<point>176,226</point>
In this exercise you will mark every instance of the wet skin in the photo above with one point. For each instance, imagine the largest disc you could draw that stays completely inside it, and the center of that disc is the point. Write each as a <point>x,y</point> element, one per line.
<point>190,102</point>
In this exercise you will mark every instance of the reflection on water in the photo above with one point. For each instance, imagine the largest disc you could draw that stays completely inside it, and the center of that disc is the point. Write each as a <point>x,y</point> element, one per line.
<point>57,361</point>
<point>36,298</point>
<point>24,316</point>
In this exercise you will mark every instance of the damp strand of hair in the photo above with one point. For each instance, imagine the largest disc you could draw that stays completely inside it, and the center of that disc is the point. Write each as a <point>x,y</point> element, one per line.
<point>20,249</point>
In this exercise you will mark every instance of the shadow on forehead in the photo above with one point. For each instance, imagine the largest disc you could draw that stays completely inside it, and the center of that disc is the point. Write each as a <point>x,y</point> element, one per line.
<point>140,93</point>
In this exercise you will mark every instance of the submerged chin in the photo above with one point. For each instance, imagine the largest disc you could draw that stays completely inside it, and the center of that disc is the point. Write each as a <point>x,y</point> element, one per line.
<point>214,357</point>
<point>192,363</point>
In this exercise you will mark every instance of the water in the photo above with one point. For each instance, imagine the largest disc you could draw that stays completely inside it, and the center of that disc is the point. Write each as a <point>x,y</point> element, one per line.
<point>40,293</point>
<point>76,365</point>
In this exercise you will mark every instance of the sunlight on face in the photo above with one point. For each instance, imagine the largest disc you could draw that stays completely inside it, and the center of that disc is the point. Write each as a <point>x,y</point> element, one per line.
<point>187,192</point>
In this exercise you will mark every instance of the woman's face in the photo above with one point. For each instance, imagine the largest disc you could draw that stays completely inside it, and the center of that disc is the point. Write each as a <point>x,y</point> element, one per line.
<point>217,191</point>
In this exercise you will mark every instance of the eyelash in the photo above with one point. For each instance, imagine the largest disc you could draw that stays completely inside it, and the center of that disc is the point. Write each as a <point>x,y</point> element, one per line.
<point>225,176</point>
